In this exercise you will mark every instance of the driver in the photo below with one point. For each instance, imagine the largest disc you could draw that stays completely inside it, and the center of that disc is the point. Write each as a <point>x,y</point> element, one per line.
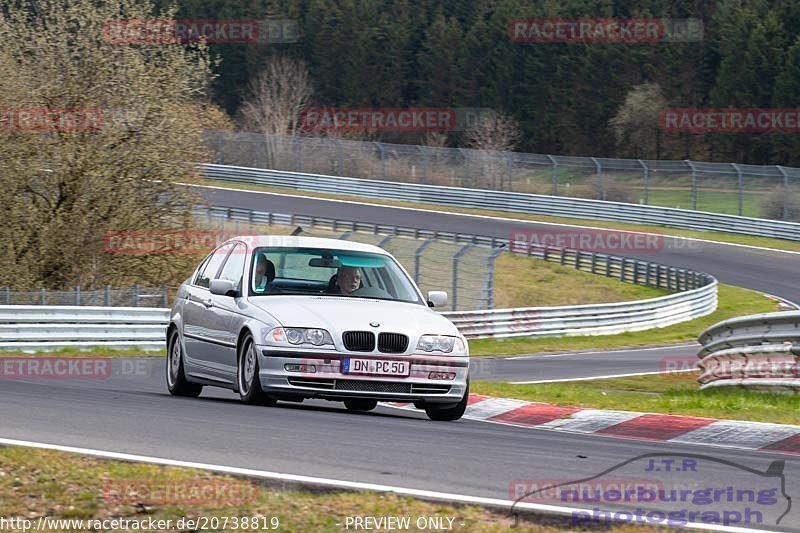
<point>348,279</point>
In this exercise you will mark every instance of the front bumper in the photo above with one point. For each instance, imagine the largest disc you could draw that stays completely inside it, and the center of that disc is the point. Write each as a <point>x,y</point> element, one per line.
<point>329,383</point>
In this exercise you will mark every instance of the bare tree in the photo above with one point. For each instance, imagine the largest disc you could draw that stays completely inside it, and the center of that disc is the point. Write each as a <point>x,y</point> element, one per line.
<point>493,136</point>
<point>276,99</point>
<point>636,124</point>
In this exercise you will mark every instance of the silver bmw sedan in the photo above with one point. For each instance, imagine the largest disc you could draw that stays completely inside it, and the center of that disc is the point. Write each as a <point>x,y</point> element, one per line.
<point>289,318</point>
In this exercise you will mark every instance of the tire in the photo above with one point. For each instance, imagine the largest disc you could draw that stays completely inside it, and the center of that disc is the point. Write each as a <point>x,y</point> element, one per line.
<point>177,383</point>
<point>360,404</point>
<point>449,414</point>
<point>247,375</point>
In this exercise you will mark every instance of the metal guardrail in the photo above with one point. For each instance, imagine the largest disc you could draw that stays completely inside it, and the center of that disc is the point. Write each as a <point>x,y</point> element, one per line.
<point>718,187</point>
<point>37,327</point>
<point>107,296</point>
<point>756,351</point>
<point>534,204</point>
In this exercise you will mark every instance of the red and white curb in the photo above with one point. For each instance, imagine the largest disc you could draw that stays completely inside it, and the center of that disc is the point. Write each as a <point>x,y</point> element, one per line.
<point>779,438</point>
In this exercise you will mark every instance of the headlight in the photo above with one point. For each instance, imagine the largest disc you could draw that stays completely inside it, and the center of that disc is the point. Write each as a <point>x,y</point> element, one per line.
<point>298,336</point>
<point>440,343</point>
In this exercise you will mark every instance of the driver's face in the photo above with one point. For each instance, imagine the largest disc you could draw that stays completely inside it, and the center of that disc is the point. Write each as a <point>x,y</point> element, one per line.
<point>349,279</point>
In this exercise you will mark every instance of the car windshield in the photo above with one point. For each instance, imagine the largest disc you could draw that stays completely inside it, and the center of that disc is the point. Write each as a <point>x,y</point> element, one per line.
<point>316,271</point>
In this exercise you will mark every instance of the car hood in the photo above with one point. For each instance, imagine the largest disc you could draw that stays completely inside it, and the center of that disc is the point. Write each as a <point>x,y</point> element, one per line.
<point>339,314</point>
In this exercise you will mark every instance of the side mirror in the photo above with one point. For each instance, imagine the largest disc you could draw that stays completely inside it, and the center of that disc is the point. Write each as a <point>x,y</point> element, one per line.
<point>223,287</point>
<point>437,298</point>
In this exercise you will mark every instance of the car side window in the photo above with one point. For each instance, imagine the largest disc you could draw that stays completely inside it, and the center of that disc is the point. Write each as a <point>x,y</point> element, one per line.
<point>234,266</point>
<point>212,265</point>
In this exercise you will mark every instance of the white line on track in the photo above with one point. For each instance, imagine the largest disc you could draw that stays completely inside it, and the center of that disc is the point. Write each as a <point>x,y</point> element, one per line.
<point>568,354</point>
<point>485,217</point>
<point>601,377</point>
<point>340,484</point>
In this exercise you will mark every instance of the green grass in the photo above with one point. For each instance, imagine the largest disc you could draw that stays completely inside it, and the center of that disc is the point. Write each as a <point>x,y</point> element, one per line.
<point>668,393</point>
<point>765,242</point>
<point>522,281</point>
<point>713,201</point>
<point>733,302</point>
<point>58,485</point>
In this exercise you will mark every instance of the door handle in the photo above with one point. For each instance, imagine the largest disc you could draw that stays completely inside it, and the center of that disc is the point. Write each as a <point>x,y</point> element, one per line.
<point>208,302</point>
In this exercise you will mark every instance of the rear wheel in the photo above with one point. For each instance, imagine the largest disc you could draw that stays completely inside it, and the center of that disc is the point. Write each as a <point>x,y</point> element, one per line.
<point>250,390</point>
<point>176,378</point>
<point>449,414</point>
<point>359,404</point>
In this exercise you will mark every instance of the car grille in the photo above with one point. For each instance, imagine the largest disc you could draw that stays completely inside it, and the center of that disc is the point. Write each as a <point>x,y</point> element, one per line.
<point>359,341</point>
<point>372,386</point>
<point>392,343</point>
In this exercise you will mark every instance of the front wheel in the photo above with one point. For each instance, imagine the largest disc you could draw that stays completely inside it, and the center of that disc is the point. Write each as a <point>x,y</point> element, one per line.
<point>449,414</point>
<point>359,404</point>
<point>176,377</point>
<point>250,390</point>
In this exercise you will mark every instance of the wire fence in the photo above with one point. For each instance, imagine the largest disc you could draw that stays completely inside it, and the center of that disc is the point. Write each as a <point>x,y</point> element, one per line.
<point>748,190</point>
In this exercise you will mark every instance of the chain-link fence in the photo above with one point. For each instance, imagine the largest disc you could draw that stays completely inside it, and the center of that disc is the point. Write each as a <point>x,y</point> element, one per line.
<point>135,296</point>
<point>748,190</point>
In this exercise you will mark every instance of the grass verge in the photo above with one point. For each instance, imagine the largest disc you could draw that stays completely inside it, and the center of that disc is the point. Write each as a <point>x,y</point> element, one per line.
<point>766,242</point>
<point>733,302</point>
<point>57,485</point>
<point>666,393</point>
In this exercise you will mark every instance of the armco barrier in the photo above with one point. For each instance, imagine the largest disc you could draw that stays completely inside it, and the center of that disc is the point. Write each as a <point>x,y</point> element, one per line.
<point>507,201</point>
<point>37,327</point>
<point>757,351</point>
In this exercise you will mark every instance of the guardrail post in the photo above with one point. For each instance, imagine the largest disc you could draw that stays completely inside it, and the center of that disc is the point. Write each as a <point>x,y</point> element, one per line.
<point>298,165</point>
<point>785,192</point>
<point>107,295</point>
<point>599,179</point>
<point>740,185</point>
<point>456,257</point>
<point>622,269</point>
<point>694,184</point>
<point>555,173</point>
<point>7,291</point>
<point>77,295</point>
<point>136,295</point>
<point>647,273</point>
<point>417,256</point>
<point>635,271</point>
<point>646,182</point>
<point>594,262</point>
<point>164,296</point>
<point>44,296</point>
<point>466,166</point>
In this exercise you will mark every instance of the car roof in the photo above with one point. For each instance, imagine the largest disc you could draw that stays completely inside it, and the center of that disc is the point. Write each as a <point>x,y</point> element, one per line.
<point>289,241</point>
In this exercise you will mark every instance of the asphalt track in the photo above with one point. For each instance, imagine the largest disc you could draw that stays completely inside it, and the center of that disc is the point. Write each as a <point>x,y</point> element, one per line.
<point>772,272</point>
<point>131,412</point>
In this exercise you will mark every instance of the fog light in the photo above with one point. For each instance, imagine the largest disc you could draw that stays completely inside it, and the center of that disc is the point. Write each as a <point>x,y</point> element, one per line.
<point>308,369</point>
<point>442,375</point>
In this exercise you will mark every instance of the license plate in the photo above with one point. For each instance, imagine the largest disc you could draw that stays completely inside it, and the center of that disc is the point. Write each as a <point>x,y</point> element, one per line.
<point>351,365</point>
